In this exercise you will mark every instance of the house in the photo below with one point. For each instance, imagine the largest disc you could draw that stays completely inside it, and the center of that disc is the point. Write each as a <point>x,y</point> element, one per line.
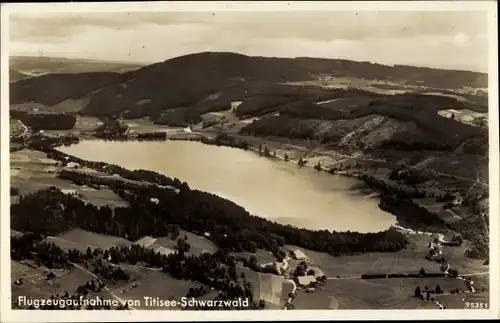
<point>276,265</point>
<point>154,200</point>
<point>299,255</point>
<point>306,280</point>
<point>72,165</point>
<point>69,191</point>
<point>234,105</point>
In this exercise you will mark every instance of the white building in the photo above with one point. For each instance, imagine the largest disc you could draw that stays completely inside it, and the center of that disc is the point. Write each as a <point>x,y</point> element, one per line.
<point>306,280</point>
<point>235,104</point>
<point>299,255</point>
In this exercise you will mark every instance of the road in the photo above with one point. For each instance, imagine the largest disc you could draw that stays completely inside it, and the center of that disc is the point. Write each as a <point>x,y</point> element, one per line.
<point>332,153</point>
<point>122,301</point>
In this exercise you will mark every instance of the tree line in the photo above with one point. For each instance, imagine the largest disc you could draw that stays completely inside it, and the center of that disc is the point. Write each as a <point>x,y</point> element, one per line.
<point>230,225</point>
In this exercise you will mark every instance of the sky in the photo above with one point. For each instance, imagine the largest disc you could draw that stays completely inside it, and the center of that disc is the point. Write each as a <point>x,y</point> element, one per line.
<point>449,40</point>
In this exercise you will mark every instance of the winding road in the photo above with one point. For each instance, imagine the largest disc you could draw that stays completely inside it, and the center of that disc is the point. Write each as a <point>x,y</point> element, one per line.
<point>120,300</point>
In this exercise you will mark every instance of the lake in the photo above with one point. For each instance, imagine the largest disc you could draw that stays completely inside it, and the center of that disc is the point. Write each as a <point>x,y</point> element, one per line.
<point>272,189</point>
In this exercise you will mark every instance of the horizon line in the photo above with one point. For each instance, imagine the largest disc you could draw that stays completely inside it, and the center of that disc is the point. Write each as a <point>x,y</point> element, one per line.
<point>147,63</point>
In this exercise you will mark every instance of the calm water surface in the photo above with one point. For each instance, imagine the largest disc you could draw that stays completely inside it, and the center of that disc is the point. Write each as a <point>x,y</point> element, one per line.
<point>272,189</point>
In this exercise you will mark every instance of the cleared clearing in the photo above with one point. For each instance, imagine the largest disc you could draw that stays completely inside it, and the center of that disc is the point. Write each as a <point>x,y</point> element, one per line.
<point>35,284</point>
<point>153,284</point>
<point>271,287</point>
<point>198,243</point>
<point>410,260</point>
<point>145,241</point>
<point>81,239</point>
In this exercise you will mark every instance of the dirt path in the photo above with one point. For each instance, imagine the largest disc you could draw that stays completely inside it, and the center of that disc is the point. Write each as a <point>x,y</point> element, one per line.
<point>122,301</point>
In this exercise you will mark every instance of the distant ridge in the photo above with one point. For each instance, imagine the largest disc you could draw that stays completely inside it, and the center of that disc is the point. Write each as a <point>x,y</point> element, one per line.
<point>184,81</point>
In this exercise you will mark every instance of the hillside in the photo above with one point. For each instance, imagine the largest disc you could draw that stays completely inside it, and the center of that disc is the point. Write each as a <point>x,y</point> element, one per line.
<point>36,66</point>
<point>179,91</point>
<point>15,76</point>
<point>185,80</point>
<point>51,89</point>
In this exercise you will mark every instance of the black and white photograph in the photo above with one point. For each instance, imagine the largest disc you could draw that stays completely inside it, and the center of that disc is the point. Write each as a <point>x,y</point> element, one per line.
<point>249,160</point>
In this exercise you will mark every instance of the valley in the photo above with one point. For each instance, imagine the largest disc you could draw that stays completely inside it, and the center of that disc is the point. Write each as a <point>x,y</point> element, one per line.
<point>380,128</point>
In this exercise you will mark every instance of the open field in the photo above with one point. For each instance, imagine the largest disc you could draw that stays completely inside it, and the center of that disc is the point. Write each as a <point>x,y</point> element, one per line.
<point>263,256</point>
<point>372,294</point>
<point>100,197</point>
<point>15,127</point>
<point>459,301</point>
<point>153,284</point>
<point>316,300</point>
<point>198,243</point>
<point>81,239</point>
<point>409,260</point>
<point>406,286</point>
<point>32,171</point>
<point>36,285</point>
<point>464,265</point>
<point>146,125</point>
<point>272,289</point>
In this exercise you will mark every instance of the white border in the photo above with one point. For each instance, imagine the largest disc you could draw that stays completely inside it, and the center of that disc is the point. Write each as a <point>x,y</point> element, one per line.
<point>274,315</point>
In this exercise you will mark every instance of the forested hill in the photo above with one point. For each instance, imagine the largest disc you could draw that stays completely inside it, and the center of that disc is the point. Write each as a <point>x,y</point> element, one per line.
<point>186,80</point>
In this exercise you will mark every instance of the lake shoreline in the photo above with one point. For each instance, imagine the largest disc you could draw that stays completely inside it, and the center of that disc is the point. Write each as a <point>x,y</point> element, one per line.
<point>392,209</point>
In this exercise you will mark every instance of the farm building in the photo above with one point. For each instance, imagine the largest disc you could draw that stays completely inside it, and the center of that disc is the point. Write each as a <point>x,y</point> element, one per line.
<point>234,105</point>
<point>299,255</point>
<point>72,165</point>
<point>69,191</point>
<point>274,264</point>
<point>306,280</point>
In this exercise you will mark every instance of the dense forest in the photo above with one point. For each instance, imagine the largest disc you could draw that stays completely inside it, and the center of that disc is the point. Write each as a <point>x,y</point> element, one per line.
<point>152,135</point>
<point>216,270</point>
<point>45,121</point>
<point>230,225</point>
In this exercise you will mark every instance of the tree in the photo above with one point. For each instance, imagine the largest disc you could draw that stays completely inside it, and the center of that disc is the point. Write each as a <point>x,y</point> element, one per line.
<point>286,158</point>
<point>310,272</point>
<point>422,272</point>
<point>439,290</point>
<point>242,275</point>
<point>266,151</point>
<point>181,244</point>
<point>175,232</point>
<point>89,252</point>
<point>453,116</point>
<point>252,261</point>
<point>453,272</point>
<point>458,239</point>
<point>418,292</point>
